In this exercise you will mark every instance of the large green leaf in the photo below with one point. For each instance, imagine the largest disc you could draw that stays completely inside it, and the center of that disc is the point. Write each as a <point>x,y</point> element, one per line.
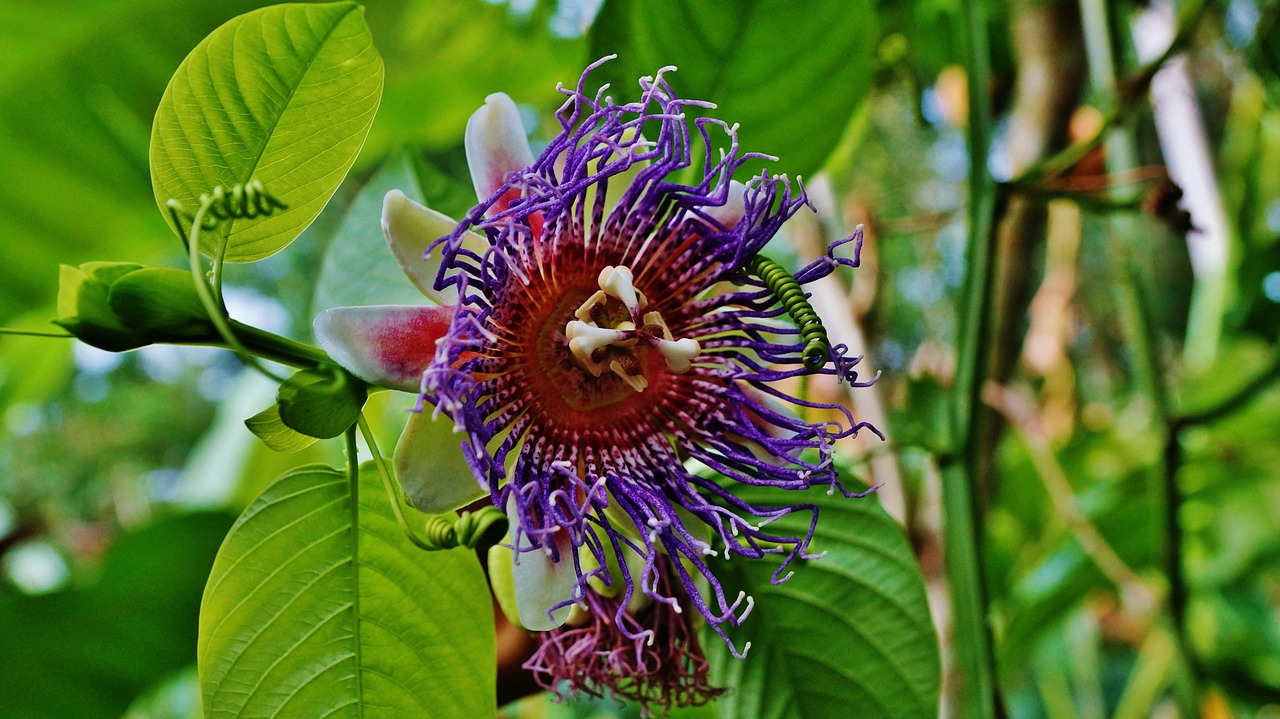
<point>318,605</point>
<point>284,95</point>
<point>848,635</point>
<point>89,651</point>
<point>792,76</point>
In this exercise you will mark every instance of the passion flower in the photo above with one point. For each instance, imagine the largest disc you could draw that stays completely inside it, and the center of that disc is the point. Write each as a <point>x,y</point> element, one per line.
<point>614,369</point>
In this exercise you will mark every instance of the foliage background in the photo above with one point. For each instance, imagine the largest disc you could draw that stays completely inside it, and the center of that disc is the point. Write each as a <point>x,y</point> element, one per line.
<point>1129,485</point>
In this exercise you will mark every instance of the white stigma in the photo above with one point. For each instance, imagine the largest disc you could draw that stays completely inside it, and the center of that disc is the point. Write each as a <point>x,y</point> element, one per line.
<point>617,282</point>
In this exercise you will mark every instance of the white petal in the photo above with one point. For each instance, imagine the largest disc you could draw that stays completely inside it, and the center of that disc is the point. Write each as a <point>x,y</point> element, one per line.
<point>541,583</point>
<point>496,144</point>
<point>730,213</point>
<point>410,228</point>
<point>385,345</point>
<point>430,467</point>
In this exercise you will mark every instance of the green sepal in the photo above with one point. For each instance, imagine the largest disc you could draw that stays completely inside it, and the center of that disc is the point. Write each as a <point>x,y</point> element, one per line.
<point>85,311</point>
<point>162,301</point>
<point>271,429</point>
<point>503,582</point>
<point>322,402</point>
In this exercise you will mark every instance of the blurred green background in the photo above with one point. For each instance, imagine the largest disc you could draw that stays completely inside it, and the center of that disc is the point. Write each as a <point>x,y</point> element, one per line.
<point>1130,499</point>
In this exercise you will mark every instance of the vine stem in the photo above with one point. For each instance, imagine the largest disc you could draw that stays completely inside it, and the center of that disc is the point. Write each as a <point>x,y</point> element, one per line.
<point>212,306</point>
<point>34,333</point>
<point>974,690</point>
<point>389,484</point>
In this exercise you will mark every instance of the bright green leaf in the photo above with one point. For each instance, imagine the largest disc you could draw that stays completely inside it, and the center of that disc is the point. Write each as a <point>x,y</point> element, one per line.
<point>284,95</point>
<point>851,629</point>
<point>319,606</point>
<point>792,78</point>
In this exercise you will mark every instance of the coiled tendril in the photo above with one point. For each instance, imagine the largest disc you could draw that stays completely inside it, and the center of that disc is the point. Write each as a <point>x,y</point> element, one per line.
<point>247,201</point>
<point>789,292</point>
<point>484,528</point>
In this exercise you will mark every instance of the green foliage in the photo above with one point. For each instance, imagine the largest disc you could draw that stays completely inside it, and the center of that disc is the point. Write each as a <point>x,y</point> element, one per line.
<point>851,629</point>
<point>358,267</point>
<point>87,652</point>
<point>269,427</point>
<point>284,95</point>
<point>318,605</point>
<point>322,402</point>
<point>793,99</point>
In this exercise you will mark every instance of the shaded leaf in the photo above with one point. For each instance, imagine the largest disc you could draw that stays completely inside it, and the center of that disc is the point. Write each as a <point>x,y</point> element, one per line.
<point>851,629</point>
<point>88,652</point>
<point>359,268</point>
<point>792,97</point>
<point>271,429</point>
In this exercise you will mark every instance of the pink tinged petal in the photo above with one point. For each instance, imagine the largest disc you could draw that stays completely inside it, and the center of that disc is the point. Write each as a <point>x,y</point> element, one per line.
<point>411,228</point>
<point>541,583</point>
<point>730,213</point>
<point>430,467</point>
<point>385,345</point>
<point>496,145</point>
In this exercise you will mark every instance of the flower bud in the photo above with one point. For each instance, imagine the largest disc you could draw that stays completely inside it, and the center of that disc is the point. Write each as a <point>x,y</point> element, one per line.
<point>118,306</point>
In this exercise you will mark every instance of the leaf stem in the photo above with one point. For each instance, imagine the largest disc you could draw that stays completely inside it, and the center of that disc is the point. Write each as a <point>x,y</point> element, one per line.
<point>389,484</point>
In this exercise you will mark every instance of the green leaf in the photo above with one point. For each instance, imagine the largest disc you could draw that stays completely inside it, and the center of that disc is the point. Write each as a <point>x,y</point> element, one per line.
<point>792,77</point>
<point>322,402</point>
<point>284,95</point>
<point>851,629</point>
<point>359,269</point>
<point>319,606</point>
<point>89,651</point>
<point>271,429</point>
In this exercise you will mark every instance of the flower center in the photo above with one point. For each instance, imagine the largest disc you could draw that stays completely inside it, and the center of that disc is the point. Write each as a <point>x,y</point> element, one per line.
<point>609,329</point>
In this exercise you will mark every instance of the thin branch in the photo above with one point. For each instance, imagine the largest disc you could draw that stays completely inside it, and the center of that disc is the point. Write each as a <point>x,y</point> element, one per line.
<point>1236,401</point>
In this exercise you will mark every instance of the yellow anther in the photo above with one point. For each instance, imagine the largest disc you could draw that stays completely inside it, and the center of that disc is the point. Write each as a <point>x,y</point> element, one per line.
<point>637,381</point>
<point>584,312</point>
